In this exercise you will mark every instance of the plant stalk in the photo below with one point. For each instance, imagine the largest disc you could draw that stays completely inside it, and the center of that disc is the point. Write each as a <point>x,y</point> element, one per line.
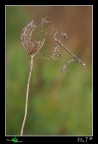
<point>27,95</point>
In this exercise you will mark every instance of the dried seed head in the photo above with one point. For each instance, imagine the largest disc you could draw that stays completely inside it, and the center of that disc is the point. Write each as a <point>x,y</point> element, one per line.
<point>31,47</point>
<point>36,48</point>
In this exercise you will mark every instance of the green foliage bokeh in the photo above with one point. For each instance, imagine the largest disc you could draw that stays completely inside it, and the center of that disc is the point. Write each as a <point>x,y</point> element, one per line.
<point>59,103</point>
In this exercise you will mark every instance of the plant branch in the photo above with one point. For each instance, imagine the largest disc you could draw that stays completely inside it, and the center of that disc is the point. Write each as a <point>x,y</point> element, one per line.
<point>65,48</point>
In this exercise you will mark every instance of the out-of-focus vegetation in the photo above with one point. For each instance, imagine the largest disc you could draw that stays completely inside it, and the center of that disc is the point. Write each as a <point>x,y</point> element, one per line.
<point>59,103</point>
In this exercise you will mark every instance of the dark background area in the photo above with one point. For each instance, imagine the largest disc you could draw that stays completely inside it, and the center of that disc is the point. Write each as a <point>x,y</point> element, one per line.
<point>59,103</point>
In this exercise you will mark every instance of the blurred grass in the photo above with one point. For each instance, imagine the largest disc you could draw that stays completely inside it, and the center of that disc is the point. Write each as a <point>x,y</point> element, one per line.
<point>59,103</point>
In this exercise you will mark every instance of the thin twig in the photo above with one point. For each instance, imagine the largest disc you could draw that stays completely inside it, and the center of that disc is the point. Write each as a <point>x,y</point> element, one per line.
<point>65,48</point>
<point>27,94</point>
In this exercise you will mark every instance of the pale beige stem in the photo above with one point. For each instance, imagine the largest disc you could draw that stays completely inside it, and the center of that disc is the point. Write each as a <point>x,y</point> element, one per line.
<point>27,94</point>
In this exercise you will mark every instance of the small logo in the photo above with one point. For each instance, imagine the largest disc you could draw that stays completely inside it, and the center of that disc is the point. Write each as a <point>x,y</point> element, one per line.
<point>14,140</point>
<point>84,139</point>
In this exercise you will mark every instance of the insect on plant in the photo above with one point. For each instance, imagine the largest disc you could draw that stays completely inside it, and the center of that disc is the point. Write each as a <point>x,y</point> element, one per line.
<point>33,48</point>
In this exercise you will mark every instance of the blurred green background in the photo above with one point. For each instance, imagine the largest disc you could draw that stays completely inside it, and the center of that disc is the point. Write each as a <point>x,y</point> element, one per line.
<point>59,103</point>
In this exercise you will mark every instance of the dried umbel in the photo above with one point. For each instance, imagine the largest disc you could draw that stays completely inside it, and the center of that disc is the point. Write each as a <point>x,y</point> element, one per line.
<point>31,47</point>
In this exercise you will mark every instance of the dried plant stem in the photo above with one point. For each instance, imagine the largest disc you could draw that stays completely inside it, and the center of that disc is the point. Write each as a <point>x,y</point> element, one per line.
<point>27,95</point>
<point>65,48</point>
